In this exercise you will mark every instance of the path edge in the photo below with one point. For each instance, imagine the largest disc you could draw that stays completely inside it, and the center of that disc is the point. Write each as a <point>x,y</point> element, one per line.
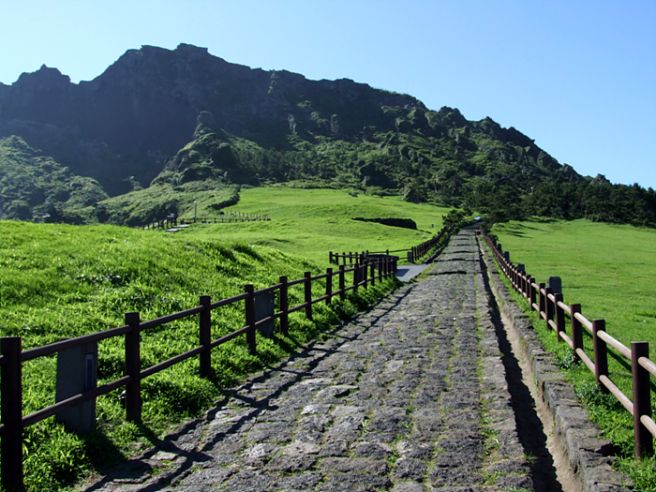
<point>580,439</point>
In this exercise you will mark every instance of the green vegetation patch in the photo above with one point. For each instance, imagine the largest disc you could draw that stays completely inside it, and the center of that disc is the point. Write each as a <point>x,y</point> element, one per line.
<point>59,281</point>
<point>37,187</point>
<point>311,222</point>
<point>144,206</point>
<point>609,269</point>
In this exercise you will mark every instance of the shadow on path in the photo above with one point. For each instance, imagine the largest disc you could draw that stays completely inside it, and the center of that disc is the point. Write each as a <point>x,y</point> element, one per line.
<point>139,469</point>
<point>529,426</point>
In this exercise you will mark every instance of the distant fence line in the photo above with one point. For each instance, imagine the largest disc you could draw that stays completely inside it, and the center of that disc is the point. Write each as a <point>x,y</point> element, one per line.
<point>414,253</point>
<point>12,356</point>
<point>172,221</point>
<point>552,309</point>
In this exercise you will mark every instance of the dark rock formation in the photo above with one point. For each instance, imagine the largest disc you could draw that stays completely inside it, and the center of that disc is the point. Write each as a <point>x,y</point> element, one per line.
<point>145,106</point>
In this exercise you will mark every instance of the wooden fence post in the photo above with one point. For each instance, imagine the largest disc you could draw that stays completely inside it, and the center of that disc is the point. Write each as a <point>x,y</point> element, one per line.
<point>560,316</point>
<point>308,295</point>
<point>205,328</point>
<point>379,264</point>
<point>12,414</point>
<point>284,306</point>
<point>577,332</point>
<point>133,367</point>
<point>520,282</point>
<point>372,274</point>
<point>249,315</point>
<point>527,285</point>
<point>329,285</point>
<point>341,281</point>
<point>541,297</point>
<point>644,445</point>
<point>600,353</point>
<point>549,307</point>
<point>356,274</point>
<point>365,273</point>
<point>531,293</point>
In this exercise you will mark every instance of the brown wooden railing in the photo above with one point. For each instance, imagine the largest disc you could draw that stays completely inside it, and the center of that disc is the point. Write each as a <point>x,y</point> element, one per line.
<point>12,356</point>
<point>171,222</point>
<point>414,253</point>
<point>351,258</point>
<point>557,315</point>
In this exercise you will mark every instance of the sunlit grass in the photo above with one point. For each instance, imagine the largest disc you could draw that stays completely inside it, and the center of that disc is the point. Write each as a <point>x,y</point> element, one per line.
<point>609,269</point>
<point>59,281</point>
<point>311,222</point>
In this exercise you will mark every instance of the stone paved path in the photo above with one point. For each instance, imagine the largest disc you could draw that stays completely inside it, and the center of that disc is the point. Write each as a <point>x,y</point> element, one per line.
<point>409,397</point>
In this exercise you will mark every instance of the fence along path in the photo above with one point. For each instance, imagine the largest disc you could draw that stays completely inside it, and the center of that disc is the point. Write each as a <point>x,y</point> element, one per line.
<point>391,401</point>
<point>337,284</point>
<point>415,254</point>
<point>173,221</point>
<point>552,309</point>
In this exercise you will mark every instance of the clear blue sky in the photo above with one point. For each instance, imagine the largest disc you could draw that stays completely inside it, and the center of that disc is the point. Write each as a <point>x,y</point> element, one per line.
<point>577,76</point>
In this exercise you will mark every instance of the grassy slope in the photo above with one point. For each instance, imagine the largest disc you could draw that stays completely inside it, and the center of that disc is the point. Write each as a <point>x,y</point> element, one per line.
<point>58,281</point>
<point>33,185</point>
<point>158,200</point>
<point>312,222</point>
<point>609,269</point>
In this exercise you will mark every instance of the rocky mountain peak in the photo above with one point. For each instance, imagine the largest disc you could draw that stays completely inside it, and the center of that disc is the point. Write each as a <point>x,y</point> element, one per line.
<point>45,78</point>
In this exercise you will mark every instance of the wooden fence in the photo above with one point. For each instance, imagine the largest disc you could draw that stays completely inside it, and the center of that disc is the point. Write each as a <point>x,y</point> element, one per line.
<point>357,258</point>
<point>171,222</point>
<point>12,355</point>
<point>557,315</point>
<point>415,253</point>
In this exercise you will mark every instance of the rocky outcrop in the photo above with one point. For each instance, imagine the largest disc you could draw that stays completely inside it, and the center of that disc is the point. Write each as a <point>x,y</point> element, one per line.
<point>144,107</point>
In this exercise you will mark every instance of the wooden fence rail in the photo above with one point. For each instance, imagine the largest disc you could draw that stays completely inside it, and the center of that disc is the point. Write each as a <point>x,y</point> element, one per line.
<point>415,253</point>
<point>552,308</point>
<point>170,222</point>
<point>12,356</point>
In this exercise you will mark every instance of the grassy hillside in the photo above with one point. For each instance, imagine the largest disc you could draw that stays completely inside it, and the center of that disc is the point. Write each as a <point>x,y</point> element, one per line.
<point>156,202</point>
<point>610,270</point>
<point>34,186</point>
<point>58,281</point>
<point>311,222</point>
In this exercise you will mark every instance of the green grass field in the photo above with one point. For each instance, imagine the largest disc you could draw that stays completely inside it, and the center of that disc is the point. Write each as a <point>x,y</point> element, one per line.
<point>58,281</point>
<point>610,271</point>
<point>311,222</point>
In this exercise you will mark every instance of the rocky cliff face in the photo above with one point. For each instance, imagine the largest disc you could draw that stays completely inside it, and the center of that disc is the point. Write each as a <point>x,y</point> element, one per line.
<point>143,108</point>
